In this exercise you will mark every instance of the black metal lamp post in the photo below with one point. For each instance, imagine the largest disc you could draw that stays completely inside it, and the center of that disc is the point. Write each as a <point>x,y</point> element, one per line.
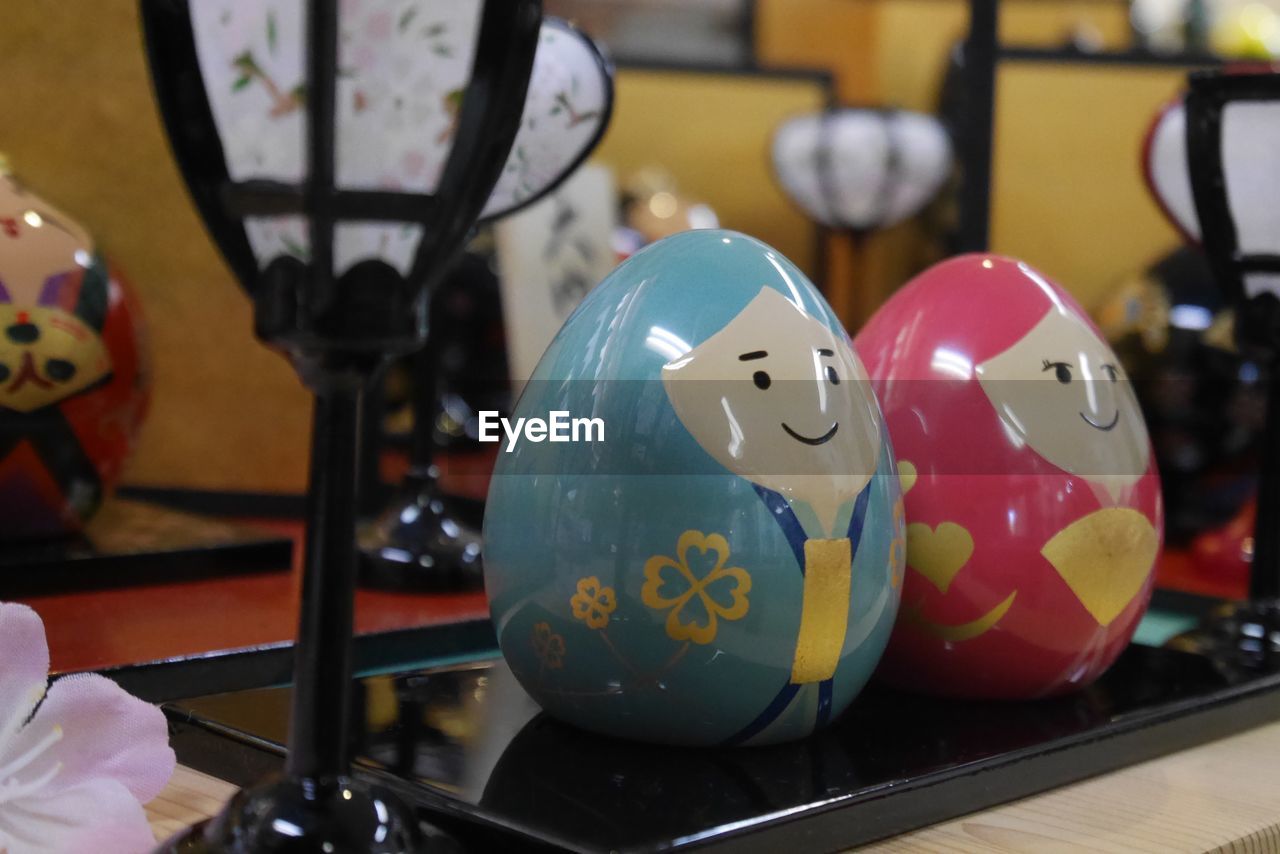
<point>1233,161</point>
<point>338,330</point>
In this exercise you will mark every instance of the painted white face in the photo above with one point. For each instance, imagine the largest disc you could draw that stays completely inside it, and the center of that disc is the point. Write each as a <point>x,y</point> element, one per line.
<point>1061,390</point>
<point>779,399</point>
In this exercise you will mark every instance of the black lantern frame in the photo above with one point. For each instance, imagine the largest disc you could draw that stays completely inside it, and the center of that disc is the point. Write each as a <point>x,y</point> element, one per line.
<point>339,331</point>
<point>1249,634</point>
<point>334,310</point>
<point>1209,94</point>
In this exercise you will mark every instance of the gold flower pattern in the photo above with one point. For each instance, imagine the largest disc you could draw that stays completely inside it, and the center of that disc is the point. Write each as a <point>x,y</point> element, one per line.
<point>696,604</point>
<point>548,646</point>
<point>593,603</point>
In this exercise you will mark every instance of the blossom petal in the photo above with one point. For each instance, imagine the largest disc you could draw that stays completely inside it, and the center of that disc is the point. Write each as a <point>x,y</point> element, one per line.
<point>97,815</point>
<point>106,734</point>
<point>25,670</point>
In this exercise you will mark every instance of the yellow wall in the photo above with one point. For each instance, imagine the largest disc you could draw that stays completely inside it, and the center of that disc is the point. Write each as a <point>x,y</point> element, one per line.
<point>914,37</point>
<point>834,35</point>
<point>80,128</point>
<point>712,133</point>
<point>1067,193</point>
<point>1069,197</point>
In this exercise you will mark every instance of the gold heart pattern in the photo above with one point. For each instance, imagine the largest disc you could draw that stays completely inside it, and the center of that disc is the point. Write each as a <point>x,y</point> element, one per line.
<point>938,553</point>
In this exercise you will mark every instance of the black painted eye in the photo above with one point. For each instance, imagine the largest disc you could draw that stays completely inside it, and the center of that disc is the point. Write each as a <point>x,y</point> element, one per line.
<point>4,372</point>
<point>1111,372</point>
<point>761,379</point>
<point>1061,370</point>
<point>59,369</point>
<point>23,333</point>
<point>832,376</point>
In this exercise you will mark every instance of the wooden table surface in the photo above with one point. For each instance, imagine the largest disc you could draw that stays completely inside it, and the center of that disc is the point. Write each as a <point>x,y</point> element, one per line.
<point>1221,796</point>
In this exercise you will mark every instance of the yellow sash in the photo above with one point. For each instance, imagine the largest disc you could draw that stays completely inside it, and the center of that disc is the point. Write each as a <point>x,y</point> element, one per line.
<point>824,614</point>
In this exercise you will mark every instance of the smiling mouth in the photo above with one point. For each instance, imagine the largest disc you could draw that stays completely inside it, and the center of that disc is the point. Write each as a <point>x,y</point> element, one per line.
<point>1095,425</point>
<point>808,441</point>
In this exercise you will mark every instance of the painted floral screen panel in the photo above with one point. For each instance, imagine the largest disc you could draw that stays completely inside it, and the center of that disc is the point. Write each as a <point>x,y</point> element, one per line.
<point>402,69</point>
<point>252,63</point>
<point>565,113</point>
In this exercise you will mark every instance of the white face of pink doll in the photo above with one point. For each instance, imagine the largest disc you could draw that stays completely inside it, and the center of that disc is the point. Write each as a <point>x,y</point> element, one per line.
<point>1061,391</point>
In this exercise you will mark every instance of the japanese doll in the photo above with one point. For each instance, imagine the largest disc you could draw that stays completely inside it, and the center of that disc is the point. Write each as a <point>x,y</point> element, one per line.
<point>724,566</point>
<point>74,384</point>
<point>1034,518</point>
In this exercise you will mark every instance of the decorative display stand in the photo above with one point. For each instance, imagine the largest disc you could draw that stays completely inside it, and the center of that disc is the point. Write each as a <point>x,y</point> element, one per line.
<point>338,331</point>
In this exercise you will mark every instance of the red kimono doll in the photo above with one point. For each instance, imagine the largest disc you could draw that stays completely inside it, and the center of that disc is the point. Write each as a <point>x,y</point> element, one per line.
<point>1032,497</point>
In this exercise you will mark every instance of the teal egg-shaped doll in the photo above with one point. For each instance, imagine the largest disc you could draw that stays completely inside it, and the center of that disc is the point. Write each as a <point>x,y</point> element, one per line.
<point>694,532</point>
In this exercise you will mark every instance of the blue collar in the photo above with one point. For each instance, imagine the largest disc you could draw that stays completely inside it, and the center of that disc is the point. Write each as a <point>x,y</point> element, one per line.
<point>794,531</point>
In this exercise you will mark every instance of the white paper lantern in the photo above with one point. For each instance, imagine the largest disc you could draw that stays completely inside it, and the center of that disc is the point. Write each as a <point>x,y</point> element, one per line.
<point>1250,156</point>
<point>862,169</point>
<point>403,68</point>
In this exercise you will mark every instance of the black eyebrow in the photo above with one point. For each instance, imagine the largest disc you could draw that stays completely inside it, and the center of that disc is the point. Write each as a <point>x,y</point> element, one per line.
<point>823,351</point>
<point>754,354</point>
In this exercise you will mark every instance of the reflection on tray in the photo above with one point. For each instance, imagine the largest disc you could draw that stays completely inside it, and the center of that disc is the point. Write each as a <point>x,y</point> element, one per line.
<point>470,739</point>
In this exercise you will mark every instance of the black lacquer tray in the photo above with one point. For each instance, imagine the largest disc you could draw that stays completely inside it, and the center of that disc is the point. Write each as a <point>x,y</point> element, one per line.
<point>470,748</point>
<point>132,542</point>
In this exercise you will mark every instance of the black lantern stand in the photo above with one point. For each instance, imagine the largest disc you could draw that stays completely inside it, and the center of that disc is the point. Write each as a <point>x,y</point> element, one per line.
<point>339,332</point>
<point>1245,636</point>
<point>419,541</point>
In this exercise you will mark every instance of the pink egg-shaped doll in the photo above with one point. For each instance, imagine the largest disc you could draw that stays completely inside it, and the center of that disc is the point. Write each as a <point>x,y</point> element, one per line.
<point>1032,497</point>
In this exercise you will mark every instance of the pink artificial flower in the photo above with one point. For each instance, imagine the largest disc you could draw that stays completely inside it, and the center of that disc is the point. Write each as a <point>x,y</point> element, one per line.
<point>76,761</point>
